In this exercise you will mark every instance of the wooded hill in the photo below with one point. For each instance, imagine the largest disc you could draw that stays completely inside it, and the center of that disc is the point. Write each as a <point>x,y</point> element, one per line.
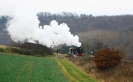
<point>83,22</point>
<point>94,32</point>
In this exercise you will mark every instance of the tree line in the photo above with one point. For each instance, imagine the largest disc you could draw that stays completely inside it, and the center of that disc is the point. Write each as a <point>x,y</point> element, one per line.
<point>83,22</point>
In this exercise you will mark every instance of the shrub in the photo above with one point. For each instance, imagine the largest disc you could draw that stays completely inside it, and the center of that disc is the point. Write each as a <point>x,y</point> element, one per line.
<point>30,49</point>
<point>1,49</point>
<point>107,58</point>
<point>19,51</point>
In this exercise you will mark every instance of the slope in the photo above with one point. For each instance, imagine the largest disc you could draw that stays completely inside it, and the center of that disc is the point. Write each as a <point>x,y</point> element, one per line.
<point>72,72</point>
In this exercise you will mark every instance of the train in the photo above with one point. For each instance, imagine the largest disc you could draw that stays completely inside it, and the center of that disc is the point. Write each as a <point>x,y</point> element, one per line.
<point>78,51</point>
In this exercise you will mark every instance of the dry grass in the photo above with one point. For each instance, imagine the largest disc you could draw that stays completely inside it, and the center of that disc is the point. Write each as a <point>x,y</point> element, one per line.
<point>2,46</point>
<point>123,72</point>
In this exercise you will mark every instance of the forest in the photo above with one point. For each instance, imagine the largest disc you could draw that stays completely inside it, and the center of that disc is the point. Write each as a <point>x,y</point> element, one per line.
<point>95,32</point>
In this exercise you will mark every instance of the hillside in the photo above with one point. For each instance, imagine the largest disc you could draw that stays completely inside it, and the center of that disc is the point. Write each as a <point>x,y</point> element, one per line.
<point>77,23</point>
<point>83,22</point>
<point>98,39</point>
<point>123,72</point>
<point>108,31</point>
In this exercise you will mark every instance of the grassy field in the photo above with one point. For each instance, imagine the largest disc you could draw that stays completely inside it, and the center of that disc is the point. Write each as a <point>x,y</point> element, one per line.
<point>73,72</point>
<point>20,68</point>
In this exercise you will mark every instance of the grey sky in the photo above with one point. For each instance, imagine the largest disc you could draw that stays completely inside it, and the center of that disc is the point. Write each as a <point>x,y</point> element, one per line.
<point>94,7</point>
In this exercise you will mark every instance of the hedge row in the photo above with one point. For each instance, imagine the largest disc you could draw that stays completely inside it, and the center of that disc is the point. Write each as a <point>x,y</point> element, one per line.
<point>28,49</point>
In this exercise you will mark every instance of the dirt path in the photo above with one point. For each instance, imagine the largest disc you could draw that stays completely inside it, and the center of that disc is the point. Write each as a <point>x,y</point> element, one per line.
<point>72,72</point>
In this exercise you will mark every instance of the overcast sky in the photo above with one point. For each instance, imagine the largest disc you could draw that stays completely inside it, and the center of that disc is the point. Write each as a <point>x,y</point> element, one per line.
<point>94,7</point>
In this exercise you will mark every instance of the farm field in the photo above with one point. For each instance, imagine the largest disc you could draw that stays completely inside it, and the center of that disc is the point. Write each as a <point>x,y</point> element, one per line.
<point>21,68</point>
<point>73,72</point>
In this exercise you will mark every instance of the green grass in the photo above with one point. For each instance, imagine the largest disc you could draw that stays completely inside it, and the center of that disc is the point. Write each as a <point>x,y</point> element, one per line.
<point>21,68</point>
<point>73,72</point>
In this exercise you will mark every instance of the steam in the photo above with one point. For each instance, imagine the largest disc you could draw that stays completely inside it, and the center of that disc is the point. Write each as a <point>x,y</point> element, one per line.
<point>23,27</point>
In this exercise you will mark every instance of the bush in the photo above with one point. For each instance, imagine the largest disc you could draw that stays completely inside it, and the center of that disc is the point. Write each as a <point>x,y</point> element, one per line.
<point>30,49</point>
<point>1,49</point>
<point>107,58</point>
<point>19,51</point>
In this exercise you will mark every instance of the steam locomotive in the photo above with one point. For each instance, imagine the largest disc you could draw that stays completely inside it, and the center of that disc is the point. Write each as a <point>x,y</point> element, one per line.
<point>76,51</point>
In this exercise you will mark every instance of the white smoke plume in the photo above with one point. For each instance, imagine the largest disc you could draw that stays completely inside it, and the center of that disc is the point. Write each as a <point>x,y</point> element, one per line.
<point>24,27</point>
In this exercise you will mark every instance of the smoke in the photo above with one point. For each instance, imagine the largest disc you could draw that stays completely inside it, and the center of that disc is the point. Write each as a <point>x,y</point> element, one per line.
<point>23,27</point>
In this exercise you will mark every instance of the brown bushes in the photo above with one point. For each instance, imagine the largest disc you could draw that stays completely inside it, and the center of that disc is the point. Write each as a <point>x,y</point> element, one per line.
<point>107,58</point>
